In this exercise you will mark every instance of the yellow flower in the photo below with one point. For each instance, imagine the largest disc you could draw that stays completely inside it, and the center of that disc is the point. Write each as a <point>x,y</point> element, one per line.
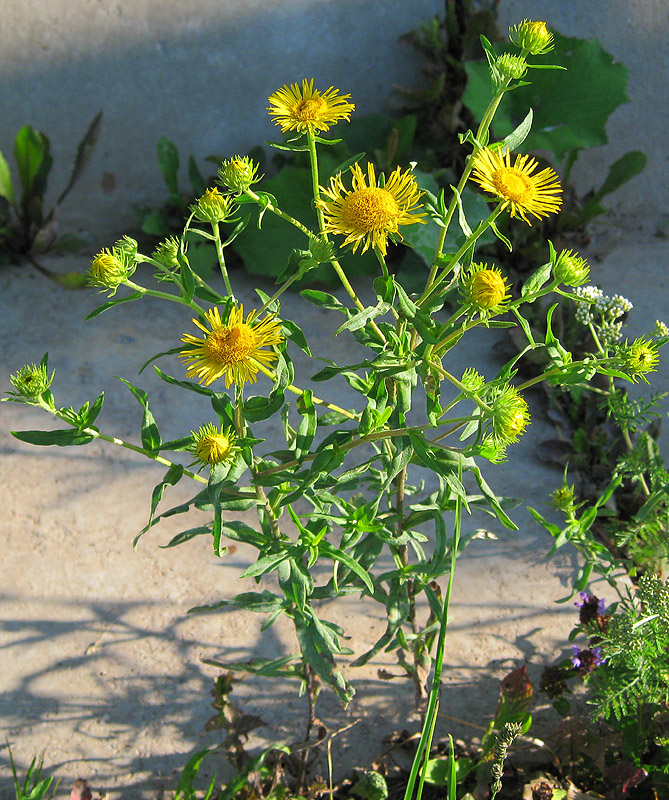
<point>212,445</point>
<point>532,37</point>
<point>231,350</point>
<point>369,213</point>
<point>520,191</point>
<point>238,173</point>
<point>484,288</point>
<point>304,108</point>
<point>213,207</point>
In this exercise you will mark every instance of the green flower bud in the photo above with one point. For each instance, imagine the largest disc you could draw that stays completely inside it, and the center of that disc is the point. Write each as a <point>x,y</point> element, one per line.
<point>238,173</point>
<point>639,358</point>
<point>166,253</point>
<point>510,414</point>
<point>571,269</point>
<point>532,37</point>
<point>31,381</point>
<point>110,268</point>
<point>213,207</point>
<point>510,67</point>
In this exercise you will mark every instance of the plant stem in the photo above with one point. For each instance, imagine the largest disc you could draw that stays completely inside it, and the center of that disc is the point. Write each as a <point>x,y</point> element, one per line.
<point>215,229</point>
<point>317,400</point>
<point>127,445</point>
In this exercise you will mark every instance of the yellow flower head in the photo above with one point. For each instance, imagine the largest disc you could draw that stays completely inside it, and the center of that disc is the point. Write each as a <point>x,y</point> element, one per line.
<point>639,357</point>
<point>571,269</point>
<point>484,288</point>
<point>296,108</point>
<point>212,445</point>
<point>112,267</point>
<point>238,173</point>
<point>368,213</point>
<point>532,37</point>
<point>213,207</point>
<point>232,350</point>
<point>510,414</point>
<point>520,191</point>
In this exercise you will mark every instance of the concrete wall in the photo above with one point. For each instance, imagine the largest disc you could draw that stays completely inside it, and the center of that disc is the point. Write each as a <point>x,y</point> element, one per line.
<point>200,71</point>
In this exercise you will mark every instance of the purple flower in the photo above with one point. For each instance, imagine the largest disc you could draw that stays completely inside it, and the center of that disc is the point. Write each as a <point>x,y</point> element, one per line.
<point>585,661</point>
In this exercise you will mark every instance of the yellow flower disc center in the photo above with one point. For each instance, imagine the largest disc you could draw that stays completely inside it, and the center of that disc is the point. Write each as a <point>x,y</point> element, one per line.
<point>310,109</point>
<point>513,184</point>
<point>370,209</point>
<point>230,345</point>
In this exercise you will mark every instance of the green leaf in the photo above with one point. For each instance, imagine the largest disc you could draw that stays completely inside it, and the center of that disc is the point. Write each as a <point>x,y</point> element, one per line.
<point>151,440</point>
<point>61,438</point>
<point>31,150</point>
<point>307,427</point>
<point>339,555</point>
<point>620,172</point>
<point>100,309</point>
<point>84,151</point>
<point>197,182</point>
<point>171,478</point>
<point>6,185</point>
<point>317,653</point>
<point>536,280</point>
<point>569,111</point>
<point>168,161</point>
<point>518,136</point>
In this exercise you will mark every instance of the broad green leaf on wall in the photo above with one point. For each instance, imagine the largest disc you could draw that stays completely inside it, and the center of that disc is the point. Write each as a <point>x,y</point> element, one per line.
<point>267,252</point>
<point>423,239</point>
<point>570,107</point>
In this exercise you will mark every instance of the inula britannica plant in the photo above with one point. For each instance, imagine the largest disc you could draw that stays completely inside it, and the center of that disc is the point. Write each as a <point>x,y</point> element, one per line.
<point>367,522</point>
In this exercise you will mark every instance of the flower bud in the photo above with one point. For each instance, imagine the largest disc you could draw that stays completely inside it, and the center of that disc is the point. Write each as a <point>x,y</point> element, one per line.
<point>110,268</point>
<point>571,269</point>
<point>510,414</point>
<point>532,37</point>
<point>166,253</point>
<point>31,381</point>
<point>639,358</point>
<point>238,173</point>
<point>213,207</point>
<point>484,288</point>
<point>510,67</point>
<point>212,445</point>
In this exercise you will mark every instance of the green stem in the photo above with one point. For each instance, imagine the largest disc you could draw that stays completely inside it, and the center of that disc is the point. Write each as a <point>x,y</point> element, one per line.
<point>480,134</point>
<point>469,242</point>
<point>165,296</point>
<point>336,266</point>
<point>122,443</point>
<point>215,229</point>
<point>317,400</point>
<point>433,699</point>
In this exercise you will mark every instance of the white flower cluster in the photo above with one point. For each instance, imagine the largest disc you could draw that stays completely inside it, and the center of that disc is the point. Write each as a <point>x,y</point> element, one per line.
<point>602,311</point>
